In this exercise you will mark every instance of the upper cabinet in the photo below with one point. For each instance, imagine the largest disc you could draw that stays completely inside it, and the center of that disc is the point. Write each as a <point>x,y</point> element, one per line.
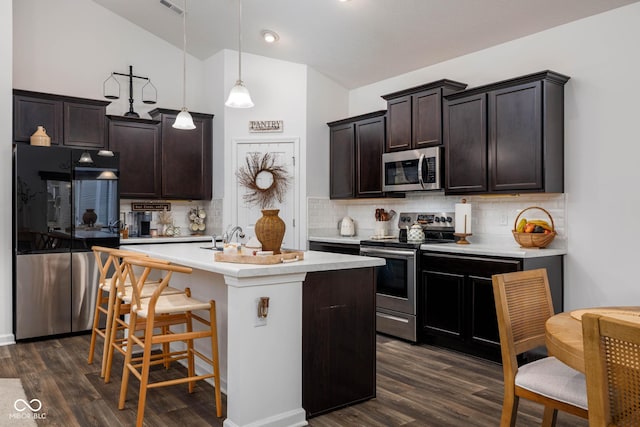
<point>138,142</point>
<point>506,137</point>
<point>414,116</point>
<point>186,156</point>
<point>69,121</point>
<point>160,162</point>
<point>356,147</point>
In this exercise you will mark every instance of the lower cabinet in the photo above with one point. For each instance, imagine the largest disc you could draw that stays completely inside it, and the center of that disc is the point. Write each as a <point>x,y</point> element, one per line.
<point>339,248</point>
<point>338,339</point>
<point>457,304</point>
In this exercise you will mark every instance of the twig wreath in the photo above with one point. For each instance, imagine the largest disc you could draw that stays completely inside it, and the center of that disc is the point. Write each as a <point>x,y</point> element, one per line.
<point>265,180</point>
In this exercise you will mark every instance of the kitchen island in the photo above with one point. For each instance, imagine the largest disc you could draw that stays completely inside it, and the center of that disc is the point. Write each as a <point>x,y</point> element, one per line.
<point>260,360</point>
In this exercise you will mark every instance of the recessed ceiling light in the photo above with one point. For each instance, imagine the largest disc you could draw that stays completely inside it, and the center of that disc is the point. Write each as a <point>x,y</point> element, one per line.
<point>270,36</point>
<point>344,1</point>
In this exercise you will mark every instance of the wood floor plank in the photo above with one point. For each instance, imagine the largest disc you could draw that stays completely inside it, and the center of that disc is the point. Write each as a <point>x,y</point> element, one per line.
<point>417,386</point>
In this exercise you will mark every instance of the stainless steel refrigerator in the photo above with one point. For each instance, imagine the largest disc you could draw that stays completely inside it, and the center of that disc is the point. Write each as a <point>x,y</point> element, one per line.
<point>64,201</point>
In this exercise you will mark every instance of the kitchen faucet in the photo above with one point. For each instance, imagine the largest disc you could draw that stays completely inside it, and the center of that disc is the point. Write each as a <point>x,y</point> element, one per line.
<point>228,235</point>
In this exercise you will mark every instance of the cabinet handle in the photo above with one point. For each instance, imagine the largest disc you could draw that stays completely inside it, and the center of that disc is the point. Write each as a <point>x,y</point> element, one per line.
<point>397,319</point>
<point>420,162</point>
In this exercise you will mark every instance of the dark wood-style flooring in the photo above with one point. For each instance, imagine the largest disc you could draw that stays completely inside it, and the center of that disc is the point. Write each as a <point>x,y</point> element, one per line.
<point>417,385</point>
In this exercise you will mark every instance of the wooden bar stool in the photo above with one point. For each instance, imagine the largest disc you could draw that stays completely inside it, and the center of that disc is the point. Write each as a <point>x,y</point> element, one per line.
<point>162,312</point>
<point>106,259</point>
<point>124,289</point>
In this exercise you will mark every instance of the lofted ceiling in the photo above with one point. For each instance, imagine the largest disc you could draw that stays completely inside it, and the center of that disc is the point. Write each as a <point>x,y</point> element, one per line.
<point>356,42</point>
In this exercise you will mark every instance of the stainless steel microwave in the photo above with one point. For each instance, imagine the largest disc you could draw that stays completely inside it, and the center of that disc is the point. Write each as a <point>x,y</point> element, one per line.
<point>412,170</point>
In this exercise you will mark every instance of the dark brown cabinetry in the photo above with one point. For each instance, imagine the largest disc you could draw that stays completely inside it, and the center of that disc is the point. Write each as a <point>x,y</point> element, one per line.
<point>506,137</point>
<point>415,115</point>
<point>339,248</point>
<point>69,121</point>
<point>355,153</point>
<point>138,142</point>
<point>457,305</point>
<point>186,156</point>
<point>338,339</point>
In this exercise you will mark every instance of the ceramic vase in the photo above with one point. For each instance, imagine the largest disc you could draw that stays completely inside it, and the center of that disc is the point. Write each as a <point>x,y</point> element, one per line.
<point>40,137</point>
<point>270,230</point>
<point>89,217</point>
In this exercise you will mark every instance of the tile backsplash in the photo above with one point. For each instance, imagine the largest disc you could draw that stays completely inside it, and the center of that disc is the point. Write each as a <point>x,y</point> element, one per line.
<point>492,216</point>
<point>180,213</point>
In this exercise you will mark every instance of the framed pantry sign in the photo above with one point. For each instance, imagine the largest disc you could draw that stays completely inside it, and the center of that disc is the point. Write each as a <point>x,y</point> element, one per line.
<point>262,126</point>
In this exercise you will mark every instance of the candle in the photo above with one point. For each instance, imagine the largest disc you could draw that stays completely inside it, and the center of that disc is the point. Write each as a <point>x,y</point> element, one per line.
<point>463,218</point>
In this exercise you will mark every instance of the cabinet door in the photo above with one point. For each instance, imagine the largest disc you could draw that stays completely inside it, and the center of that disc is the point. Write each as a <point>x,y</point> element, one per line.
<point>31,112</point>
<point>338,339</point>
<point>342,164</point>
<point>515,138</point>
<point>427,119</point>
<point>483,325</point>
<point>84,125</point>
<point>369,149</point>
<point>186,160</point>
<point>443,299</point>
<point>399,125</point>
<point>139,146</point>
<point>466,145</point>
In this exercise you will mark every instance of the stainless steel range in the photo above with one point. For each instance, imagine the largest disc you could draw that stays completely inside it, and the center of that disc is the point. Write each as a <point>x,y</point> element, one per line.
<point>396,282</point>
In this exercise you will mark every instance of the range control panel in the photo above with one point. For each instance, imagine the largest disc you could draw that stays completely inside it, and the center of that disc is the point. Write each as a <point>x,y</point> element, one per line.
<point>428,220</point>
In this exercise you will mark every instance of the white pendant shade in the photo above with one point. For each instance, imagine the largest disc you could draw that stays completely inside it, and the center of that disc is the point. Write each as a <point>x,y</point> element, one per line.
<point>239,97</point>
<point>184,121</point>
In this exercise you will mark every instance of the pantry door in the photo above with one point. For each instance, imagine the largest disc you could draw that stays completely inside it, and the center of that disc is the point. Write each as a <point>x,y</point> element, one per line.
<point>285,153</point>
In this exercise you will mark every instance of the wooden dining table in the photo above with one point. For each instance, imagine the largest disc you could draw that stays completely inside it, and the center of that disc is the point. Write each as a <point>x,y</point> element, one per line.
<point>563,332</point>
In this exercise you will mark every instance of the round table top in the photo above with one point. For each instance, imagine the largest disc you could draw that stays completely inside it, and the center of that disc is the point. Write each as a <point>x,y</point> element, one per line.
<point>564,333</point>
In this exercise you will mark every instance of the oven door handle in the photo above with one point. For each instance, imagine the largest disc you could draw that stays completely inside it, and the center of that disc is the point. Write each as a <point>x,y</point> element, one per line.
<point>377,251</point>
<point>420,162</point>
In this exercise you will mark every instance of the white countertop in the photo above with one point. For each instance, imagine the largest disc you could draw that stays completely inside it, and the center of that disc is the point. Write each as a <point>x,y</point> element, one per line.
<point>502,246</point>
<point>163,239</point>
<point>192,255</point>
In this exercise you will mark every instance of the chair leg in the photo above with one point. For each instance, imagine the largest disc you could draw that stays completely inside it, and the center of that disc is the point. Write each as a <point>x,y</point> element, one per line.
<point>214,357</point>
<point>146,365</point>
<point>107,331</point>
<point>166,349</point>
<point>190,357</point>
<point>115,316</point>
<point>549,417</point>
<point>509,410</point>
<point>127,360</point>
<point>96,323</point>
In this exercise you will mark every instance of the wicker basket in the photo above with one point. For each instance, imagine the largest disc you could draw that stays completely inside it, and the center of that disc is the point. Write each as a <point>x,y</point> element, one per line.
<point>534,240</point>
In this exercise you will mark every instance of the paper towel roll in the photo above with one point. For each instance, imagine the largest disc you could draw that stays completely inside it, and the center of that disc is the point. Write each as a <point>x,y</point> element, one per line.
<point>463,215</point>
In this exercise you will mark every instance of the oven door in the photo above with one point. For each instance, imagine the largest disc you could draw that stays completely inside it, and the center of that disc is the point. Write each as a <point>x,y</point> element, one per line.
<point>396,280</point>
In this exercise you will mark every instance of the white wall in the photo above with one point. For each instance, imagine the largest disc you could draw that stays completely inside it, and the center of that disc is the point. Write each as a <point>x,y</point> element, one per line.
<point>326,101</point>
<point>278,90</point>
<point>601,133</point>
<point>70,47</point>
<point>6,108</point>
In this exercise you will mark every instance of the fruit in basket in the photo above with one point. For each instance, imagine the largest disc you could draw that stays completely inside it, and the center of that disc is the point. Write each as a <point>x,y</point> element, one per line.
<point>529,227</point>
<point>538,229</point>
<point>541,223</point>
<point>521,224</point>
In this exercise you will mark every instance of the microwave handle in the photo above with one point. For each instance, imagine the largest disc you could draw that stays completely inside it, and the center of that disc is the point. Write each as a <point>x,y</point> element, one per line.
<point>420,162</point>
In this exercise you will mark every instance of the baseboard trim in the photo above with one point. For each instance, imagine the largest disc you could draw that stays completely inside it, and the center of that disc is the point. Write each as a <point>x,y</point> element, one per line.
<point>7,339</point>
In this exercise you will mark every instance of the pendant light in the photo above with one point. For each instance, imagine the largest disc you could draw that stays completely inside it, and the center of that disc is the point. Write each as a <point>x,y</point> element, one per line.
<point>184,120</point>
<point>239,96</point>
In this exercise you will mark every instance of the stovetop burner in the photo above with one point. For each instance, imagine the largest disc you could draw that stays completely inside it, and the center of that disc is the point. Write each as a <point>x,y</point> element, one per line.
<point>438,227</point>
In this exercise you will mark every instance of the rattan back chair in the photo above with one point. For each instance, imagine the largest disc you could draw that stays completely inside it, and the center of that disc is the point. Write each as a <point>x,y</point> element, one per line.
<point>523,305</point>
<point>612,363</point>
